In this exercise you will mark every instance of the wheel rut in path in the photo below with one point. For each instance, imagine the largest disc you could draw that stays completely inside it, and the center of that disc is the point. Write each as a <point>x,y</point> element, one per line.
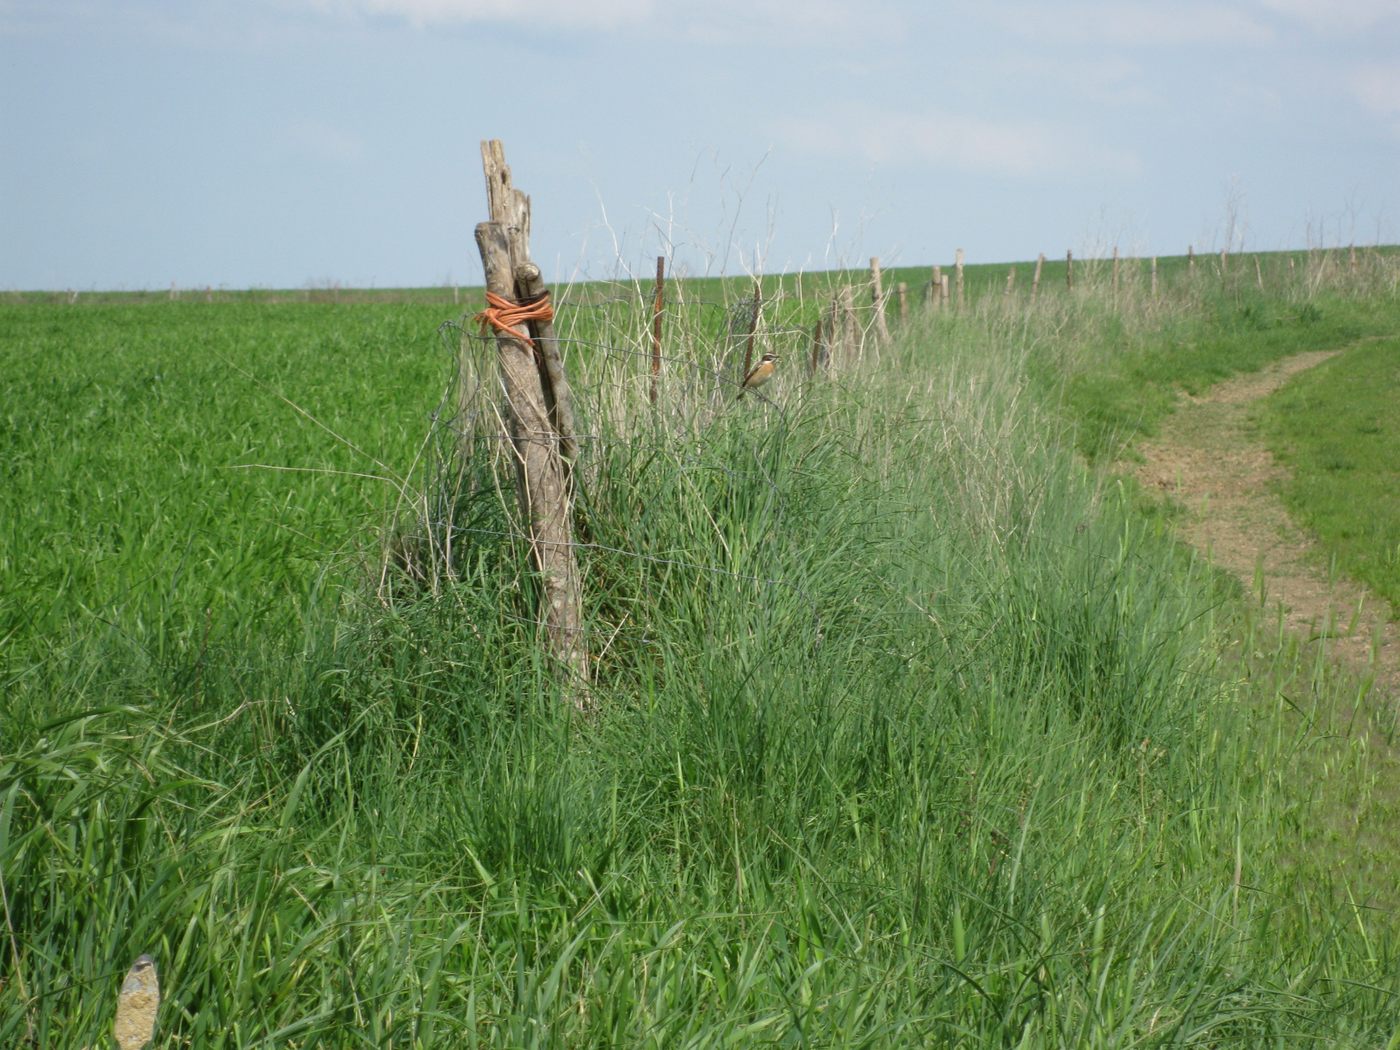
<point>1210,458</point>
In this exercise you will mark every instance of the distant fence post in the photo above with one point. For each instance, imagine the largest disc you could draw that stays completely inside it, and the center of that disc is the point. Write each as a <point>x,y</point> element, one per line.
<point>1115,272</point>
<point>935,288</point>
<point>1069,270</point>
<point>1010,281</point>
<point>533,399</point>
<point>1154,276</point>
<point>657,306</point>
<point>1191,260</point>
<point>958,267</point>
<point>753,327</point>
<point>877,298</point>
<point>945,289</point>
<point>1035,281</point>
<point>849,341</point>
<point>902,290</point>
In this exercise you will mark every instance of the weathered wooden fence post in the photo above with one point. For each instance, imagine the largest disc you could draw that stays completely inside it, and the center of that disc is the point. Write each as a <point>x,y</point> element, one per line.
<point>1010,281</point>
<point>138,1003</point>
<point>850,330</point>
<point>753,327</point>
<point>821,352</point>
<point>1190,260</point>
<point>958,267</point>
<point>936,288</point>
<point>558,395</point>
<point>1154,276</point>
<point>1069,270</point>
<point>1035,280</point>
<point>877,299</point>
<point>902,291</point>
<point>658,304</point>
<point>539,415</point>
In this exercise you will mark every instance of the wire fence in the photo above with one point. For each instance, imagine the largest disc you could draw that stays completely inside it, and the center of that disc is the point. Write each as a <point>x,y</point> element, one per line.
<point>611,341</point>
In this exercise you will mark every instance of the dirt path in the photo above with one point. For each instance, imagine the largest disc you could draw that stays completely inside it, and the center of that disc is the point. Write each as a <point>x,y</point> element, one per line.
<point>1210,458</point>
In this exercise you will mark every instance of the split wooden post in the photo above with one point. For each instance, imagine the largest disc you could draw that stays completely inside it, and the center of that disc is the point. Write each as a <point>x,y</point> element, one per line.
<point>877,299</point>
<point>138,1005</point>
<point>1035,281</point>
<point>753,328</point>
<point>902,290</point>
<point>958,267</point>
<point>657,306</point>
<point>537,405</point>
<point>1069,270</point>
<point>936,288</point>
<point>945,291</point>
<point>558,394</point>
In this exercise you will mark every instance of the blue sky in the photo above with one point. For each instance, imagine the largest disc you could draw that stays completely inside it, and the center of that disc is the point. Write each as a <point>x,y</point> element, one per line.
<point>286,143</point>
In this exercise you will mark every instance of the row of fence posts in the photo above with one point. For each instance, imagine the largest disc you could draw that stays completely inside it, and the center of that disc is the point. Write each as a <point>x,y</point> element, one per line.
<point>540,426</point>
<point>837,332</point>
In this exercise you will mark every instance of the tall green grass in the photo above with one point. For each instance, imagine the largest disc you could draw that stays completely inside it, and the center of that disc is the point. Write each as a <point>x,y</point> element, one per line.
<point>913,731</point>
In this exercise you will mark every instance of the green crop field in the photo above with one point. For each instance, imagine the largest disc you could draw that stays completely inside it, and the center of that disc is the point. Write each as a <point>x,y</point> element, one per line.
<point>914,728</point>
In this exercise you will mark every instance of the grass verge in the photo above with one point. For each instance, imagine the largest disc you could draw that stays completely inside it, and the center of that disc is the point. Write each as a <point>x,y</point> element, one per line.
<point>1337,429</point>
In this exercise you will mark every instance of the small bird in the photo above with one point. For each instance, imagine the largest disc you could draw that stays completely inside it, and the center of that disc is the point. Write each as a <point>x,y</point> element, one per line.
<point>759,373</point>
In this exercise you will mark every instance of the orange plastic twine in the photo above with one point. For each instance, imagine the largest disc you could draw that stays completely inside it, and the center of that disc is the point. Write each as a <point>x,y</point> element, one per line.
<point>503,315</point>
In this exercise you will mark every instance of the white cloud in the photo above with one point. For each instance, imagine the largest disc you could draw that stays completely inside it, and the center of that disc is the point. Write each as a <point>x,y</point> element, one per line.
<point>1109,81</point>
<point>836,23</point>
<point>1020,149</point>
<point>774,22</point>
<point>1377,88</point>
<point>543,13</point>
<point>1135,24</point>
<point>1336,15</point>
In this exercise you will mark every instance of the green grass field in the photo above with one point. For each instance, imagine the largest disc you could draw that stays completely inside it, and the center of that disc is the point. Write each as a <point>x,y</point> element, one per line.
<point>1338,429</point>
<point>915,730</point>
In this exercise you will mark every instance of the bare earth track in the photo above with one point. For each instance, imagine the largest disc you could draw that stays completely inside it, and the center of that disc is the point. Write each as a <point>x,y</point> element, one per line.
<point>1209,458</point>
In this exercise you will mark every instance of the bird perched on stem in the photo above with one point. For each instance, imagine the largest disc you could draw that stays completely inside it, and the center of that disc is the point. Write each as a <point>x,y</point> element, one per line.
<point>759,373</point>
